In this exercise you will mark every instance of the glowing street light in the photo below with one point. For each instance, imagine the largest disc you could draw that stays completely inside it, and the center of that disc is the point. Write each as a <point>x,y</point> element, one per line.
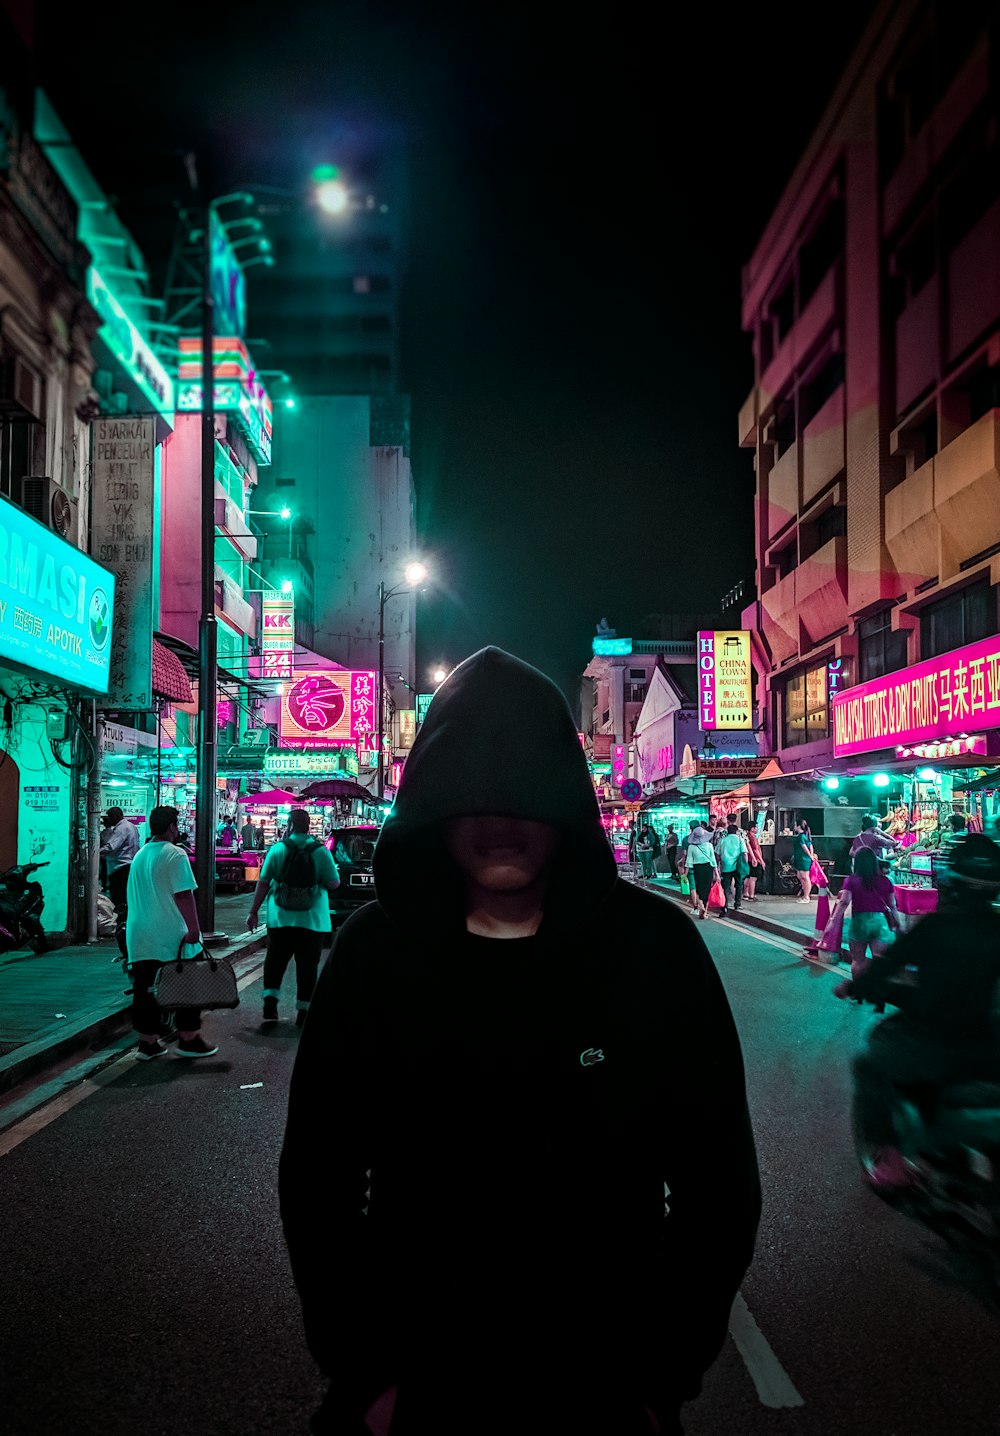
<point>439,674</point>
<point>331,192</point>
<point>414,574</point>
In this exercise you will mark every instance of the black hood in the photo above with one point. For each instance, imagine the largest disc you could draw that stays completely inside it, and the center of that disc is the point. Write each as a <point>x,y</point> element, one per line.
<point>498,738</point>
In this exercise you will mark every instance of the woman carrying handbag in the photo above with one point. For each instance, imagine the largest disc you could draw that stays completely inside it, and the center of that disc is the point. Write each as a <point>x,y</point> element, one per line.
<point>702,867</point>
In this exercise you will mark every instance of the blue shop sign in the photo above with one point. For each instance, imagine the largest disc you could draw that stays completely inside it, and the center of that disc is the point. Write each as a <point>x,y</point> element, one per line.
<point>56,604</point>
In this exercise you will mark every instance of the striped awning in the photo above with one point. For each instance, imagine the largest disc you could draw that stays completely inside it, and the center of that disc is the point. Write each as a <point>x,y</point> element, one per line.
<point>169,679</point>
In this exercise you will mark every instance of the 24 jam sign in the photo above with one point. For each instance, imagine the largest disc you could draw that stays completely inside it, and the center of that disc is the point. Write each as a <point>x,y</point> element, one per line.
<point>326,708</point>
<point>725,680</point>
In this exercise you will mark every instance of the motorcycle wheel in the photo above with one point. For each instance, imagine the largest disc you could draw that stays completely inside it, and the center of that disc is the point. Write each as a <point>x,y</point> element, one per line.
<point>865,1150</point>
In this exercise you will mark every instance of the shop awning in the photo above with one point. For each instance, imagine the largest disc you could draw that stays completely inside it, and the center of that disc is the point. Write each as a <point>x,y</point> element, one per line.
<point>977,785</point>
<point>333,788</point>
<point>274,797</point>
<point>188,659</point>
<point>169,678</point>
<point>671,796</point>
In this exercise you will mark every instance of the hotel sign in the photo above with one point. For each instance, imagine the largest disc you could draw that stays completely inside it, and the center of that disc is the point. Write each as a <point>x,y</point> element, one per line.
<point>56,604</point>
<point>725,680</point>
<point>939,699</point>
<point>336,762</point>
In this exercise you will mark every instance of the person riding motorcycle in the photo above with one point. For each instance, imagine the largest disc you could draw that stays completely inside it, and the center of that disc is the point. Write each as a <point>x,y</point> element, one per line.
<point>942,976</point>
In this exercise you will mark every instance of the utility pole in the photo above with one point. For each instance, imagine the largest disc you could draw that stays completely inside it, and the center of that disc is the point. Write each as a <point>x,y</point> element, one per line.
<point>380,699</point>
<point>204,855</point>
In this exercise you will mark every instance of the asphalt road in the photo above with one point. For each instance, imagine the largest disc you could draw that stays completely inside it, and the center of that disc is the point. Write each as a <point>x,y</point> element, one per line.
<point>146,1288</point>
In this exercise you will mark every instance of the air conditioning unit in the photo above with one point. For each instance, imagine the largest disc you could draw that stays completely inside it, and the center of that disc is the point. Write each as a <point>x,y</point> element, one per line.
<point>21,389</point>
<point>257,738</point>
<point>45,501</point>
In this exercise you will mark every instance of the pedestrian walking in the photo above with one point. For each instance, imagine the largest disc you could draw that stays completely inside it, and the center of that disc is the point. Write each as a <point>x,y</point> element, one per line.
<point>731,852</point>
<point>803,854</point>
<point>874,840</point>
<point>481,1028</point>
<point>874,919</point>
<point>670,846</point>
<point>755,857</point>
<point>248,836</point>
<point>702,866</point>
<point>296,878</point>
<point>161,916</point>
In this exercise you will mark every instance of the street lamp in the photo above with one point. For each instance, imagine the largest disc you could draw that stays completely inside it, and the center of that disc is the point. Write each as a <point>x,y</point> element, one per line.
<point>439,674</point>
<point>415,574</point>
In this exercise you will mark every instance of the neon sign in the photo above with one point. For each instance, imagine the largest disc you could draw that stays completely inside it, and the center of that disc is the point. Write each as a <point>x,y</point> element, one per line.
<point>925,703</point>
<point>128,346</point>
<point>237,388</point>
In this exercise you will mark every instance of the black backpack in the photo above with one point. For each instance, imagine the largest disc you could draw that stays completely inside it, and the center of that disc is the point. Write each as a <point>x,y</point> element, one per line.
<point>295,889</point>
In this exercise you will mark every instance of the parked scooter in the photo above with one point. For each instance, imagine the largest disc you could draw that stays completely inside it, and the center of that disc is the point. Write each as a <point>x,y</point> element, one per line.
<point>21,903</point>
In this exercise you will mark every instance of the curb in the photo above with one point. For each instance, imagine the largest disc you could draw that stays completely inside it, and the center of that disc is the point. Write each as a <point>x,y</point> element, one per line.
<point>766,924</point>
<point>91,1030</point>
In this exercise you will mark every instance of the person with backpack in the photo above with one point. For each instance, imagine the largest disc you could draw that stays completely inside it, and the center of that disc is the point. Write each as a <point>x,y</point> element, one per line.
<point>296,878</point>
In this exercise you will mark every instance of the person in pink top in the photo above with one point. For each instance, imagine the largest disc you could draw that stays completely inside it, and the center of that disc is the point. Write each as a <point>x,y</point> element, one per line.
<point>756,872</point>
<point>874,918</point>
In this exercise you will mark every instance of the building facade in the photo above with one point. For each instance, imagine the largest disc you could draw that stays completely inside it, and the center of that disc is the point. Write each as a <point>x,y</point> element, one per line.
<point>56,603</point>
<point>872,302</point>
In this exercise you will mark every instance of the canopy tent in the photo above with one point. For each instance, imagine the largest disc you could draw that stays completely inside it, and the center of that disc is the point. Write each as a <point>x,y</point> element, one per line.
<point>275,797</point>
<point>331,789</point>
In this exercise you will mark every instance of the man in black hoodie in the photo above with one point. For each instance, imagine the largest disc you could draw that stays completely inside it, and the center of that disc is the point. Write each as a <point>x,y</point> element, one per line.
<point>518,1180</point>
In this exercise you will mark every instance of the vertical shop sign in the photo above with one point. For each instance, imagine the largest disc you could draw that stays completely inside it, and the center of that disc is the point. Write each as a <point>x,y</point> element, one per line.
<point>278,636</point>
<point>124,451</point>
<point>725,680</point>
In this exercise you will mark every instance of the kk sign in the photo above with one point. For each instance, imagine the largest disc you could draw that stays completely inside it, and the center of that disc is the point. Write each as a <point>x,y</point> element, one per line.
<point>278,636</point>
<point>56,604</point>
<point>725,680</point>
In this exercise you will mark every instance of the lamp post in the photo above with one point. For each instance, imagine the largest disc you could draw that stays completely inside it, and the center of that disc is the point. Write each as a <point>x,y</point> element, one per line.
<point>415,573</point>
<point>208,634</point>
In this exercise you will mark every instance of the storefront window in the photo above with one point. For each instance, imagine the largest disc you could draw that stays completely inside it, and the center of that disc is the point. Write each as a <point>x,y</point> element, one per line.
<point>806,707</point>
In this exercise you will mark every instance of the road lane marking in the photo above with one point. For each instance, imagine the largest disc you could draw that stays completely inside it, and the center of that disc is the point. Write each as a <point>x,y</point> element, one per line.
<point>774,1385</point>
<point>49,1108</point>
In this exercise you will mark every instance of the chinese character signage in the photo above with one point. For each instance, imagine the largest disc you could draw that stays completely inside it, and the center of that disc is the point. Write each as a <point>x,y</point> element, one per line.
<point>122,539</point>
<point>56,604</point>
<point>325,708</point>
<point>619,764</point>
<point>725,680</point>
<point>338,762</point>
<point>278,636</point>
<point>937,699</point>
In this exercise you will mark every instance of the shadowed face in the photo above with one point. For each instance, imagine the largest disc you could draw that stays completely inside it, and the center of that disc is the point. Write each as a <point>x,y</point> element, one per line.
<point>501,854</point>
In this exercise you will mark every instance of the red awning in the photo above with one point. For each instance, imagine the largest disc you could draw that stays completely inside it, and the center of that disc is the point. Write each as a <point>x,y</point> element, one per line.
<point>169,679</point>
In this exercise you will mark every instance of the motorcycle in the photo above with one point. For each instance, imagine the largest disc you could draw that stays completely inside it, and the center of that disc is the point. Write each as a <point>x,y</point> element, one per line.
<point>21,903</point>
<point>950,1140</point>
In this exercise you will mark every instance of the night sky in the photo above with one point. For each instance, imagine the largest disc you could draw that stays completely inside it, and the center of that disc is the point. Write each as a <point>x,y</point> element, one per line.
<point>586,185</point>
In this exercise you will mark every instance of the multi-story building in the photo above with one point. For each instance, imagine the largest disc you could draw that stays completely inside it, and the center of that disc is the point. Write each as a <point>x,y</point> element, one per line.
<point>873,304</point>
<point>342,464</point>
<point>56,603</point>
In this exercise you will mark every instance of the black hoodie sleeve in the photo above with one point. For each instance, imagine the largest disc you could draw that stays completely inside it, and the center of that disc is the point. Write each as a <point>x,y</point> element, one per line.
<point>322,1186</point>
<point>710,1162</point>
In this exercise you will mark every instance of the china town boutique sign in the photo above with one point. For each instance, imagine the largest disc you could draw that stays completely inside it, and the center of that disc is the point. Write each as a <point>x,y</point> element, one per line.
<point>325,708</point>
<point>938,699</point>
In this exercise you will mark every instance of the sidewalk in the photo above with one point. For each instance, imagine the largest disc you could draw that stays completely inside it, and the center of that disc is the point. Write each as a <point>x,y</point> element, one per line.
<point>74,997</point>
<point>784,916</point>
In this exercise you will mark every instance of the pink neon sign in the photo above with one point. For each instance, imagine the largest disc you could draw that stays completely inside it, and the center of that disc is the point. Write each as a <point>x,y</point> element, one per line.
<point>940,698</point>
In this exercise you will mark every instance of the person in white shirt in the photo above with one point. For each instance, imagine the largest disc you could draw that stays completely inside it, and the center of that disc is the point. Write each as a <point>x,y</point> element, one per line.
<point>161,916</point>
<point>119,845</point>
